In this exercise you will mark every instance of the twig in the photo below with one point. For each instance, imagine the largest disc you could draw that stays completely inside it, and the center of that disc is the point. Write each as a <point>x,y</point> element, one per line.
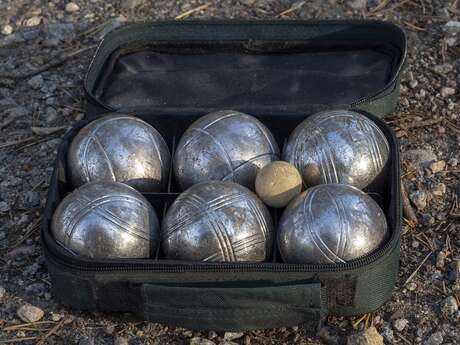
<point>8,120</point>
<point>51,332</point>
<point>404,339</point>
<point>193,10</point>
<point>293,8</point>
<point>392,8</point>
<point>15,142</point>
<point>44,131</point>
<point>357,322</point>
<point>29,232</point>
<point>380,6</point>
<point>17,340</point>
<point>417,269</point>
<point>453,126</point>
<point>15,327</point>
<point>46,66</point>
<point>408,210</point>
<point>421,123</point>
<point>413,26</point>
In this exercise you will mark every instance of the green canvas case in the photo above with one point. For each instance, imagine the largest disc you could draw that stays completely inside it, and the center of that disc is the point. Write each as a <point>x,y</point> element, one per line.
<point>170,74</point>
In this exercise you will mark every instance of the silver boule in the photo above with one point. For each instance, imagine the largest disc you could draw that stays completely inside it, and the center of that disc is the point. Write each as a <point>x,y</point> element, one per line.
<point>224,146</point>
<point>337,146</point>
<point>120,148</point>
<point>106,220</point>
<point>330,223</point>
<point>217,221</point>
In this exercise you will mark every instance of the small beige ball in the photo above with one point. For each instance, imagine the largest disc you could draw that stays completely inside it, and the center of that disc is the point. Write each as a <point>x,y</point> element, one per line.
<point>278,183</point>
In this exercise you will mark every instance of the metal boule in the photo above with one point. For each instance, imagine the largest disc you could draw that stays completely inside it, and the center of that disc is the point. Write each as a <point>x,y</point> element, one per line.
<point>224,146</point>
<point>106,220</point>
<point>337,146</point>
<point>330,223</point>
<point>217,221</point>
<point>120,148</point>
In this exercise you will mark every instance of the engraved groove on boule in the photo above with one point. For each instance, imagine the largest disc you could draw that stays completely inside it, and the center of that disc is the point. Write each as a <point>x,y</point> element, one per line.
<point>316,238</point>
<point>71,224</point>
<point>216,226</point>
<point>342,216</point>
<point>330,159</point>
<point>223,117</point>
<point>256,212</point>
<point>106,156</point>
<point>347,229</point>
<point>219,226</point>
<point>368,138</point>
<point>214,205</point>
<point>265,132</point>
<point>242,165</point>
<point>228,159</point>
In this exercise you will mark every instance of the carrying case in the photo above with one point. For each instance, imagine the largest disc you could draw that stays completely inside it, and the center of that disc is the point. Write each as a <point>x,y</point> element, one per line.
<point>170,74</point>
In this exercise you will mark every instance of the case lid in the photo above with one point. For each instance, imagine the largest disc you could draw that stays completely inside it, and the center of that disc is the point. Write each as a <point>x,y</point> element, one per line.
<point>256,67</point>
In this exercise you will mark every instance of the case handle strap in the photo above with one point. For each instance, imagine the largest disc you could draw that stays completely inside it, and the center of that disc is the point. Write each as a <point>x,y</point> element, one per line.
<point>233,308</point>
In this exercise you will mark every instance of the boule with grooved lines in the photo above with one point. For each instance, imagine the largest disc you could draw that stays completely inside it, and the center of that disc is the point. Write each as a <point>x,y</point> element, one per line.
<point>120,148</point>
<point>224,146</point>
<point>217,221</point>
<point>330,223</point>
<point>337,146</point>
<point>106,220</point>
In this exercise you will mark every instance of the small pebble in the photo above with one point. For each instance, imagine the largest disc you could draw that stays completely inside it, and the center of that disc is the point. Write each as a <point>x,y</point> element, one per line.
<point>33,21</point>
<point>419,199</point>
<point>440,259</point>
<point>452,26</point>
<point>71,7</point>
<point>388,334</point>
<point>400,324</point>
<point>32,199</point>
<point>4,207</point>
<point>328,335</point>
<point>439,189</point>
<point>449,306</point>
<point>438,166</point>
<point>56,317</point>
<point>7,30</point>
<point>36,82</point>
<point>412,286</point>
<point>201,341</point>
<point>447,91</point>
<point>232,335</point>
<point>121,341</point>
<point>2,292</point>
<point>30,313</point>
<point>51,114</point>
<point>109,329</point>
<point>413,83</point>
<point>434,339</point>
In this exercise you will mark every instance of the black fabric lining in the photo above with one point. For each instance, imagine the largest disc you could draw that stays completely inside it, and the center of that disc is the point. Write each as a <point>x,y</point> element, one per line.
<point>246,75</point>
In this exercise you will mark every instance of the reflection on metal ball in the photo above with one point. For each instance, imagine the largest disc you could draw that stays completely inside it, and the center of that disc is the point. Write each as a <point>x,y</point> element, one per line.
<point>330,223</point>
<point>217,221</point>
<point>106,220</point>
<point>338,146</point>
<point>224,146</point>
<point>120,148</point>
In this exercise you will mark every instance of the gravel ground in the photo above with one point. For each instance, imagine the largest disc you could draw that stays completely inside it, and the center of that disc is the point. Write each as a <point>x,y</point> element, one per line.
<point>45,48</point>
